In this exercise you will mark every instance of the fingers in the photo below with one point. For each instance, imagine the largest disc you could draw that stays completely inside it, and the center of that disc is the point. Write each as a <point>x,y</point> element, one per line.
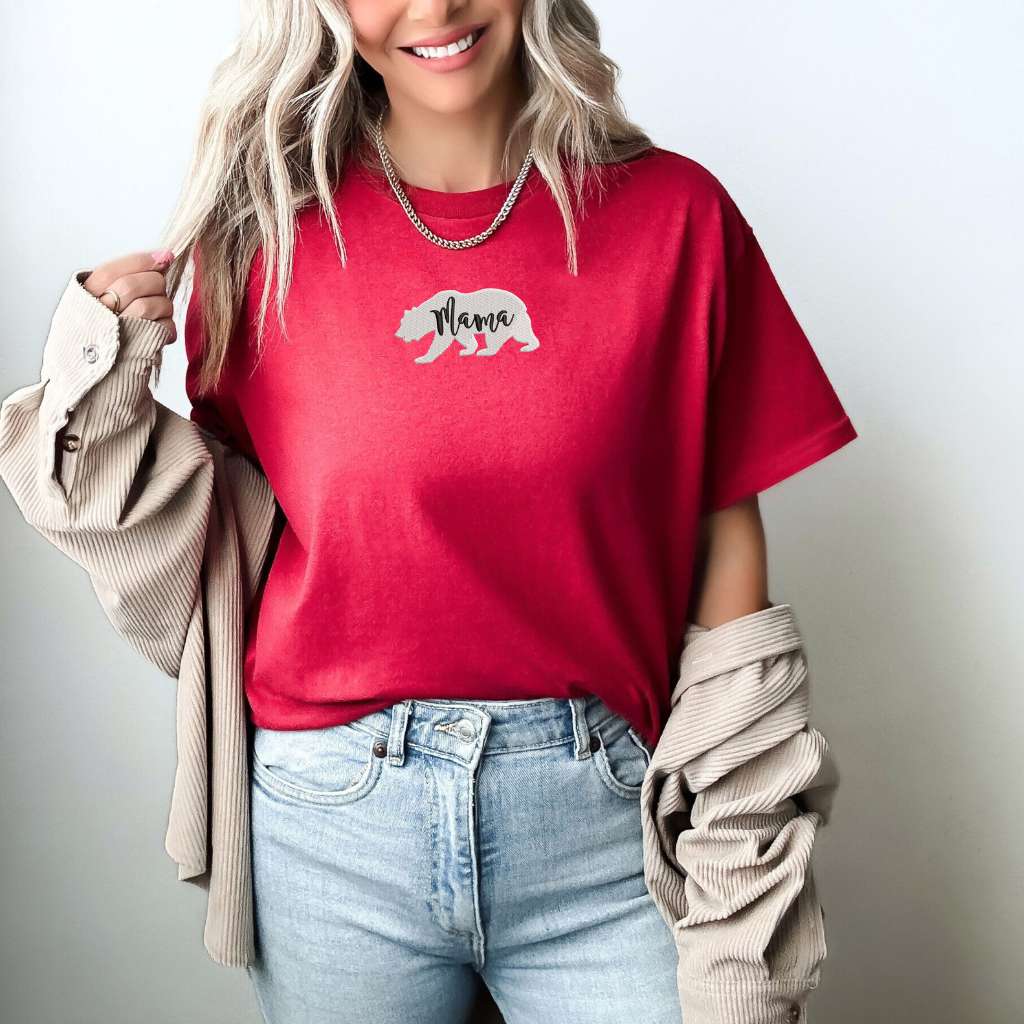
<point>150,306</point>
<point>138,279</point>
<point>106,274</point>
<point>130,288</point>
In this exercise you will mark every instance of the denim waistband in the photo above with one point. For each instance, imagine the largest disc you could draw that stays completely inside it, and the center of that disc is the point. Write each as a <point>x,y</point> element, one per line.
<point>460,728</point>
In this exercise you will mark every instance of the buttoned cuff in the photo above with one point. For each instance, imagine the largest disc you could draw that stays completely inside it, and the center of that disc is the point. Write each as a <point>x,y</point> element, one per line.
<point>774,1002</point>
<point>90,351</point>
<point>85,340</point>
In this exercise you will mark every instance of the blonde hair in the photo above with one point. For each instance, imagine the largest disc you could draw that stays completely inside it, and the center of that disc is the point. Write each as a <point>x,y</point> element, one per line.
<point>294,99</point>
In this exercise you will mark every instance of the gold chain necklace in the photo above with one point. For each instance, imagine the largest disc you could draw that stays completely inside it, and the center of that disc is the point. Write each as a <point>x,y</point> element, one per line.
<point>447,243</point>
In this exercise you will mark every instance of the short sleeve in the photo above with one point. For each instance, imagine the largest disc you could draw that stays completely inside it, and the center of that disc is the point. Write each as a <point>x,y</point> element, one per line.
<point>772,410</point>
<point>216,412</point>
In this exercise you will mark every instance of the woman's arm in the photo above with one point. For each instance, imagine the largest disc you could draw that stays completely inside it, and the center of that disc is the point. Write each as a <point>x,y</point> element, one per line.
<point>731,577</point>
<point>120,483</point>
<point>738,783</point>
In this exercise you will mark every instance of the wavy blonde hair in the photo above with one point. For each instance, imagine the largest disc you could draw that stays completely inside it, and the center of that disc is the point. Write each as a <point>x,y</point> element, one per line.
<point>294,99</point>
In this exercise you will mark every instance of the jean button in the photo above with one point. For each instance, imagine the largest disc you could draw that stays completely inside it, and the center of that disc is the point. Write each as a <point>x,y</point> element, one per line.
<point>466,730</point>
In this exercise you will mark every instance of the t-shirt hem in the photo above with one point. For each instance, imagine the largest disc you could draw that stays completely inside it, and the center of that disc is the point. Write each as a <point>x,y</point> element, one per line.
<point>794,459</point>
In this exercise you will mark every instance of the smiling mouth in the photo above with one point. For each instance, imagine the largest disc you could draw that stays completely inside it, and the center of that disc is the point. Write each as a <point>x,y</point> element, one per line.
<point>467,42</point>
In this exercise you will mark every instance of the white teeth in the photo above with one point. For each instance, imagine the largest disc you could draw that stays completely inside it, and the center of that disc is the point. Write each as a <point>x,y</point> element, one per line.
<point>432,52</point>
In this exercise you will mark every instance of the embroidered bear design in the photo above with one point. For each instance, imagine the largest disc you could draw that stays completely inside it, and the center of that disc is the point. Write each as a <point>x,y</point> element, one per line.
<point>452,316</point>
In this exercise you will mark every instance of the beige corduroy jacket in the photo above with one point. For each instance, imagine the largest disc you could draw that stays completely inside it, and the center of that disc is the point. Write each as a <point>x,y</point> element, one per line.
<point>175,530</point>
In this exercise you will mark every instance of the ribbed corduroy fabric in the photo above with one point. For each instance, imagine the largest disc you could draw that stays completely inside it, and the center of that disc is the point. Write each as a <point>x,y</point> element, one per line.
<point>737,786</point>
<point>174,530</point>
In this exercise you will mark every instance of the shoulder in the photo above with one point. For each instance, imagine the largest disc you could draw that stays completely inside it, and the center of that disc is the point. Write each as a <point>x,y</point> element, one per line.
<point>681,190</point>
<point>678,178</point>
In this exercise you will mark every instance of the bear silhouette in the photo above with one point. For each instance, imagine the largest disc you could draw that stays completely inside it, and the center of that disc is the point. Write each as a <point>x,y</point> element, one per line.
<point>452,316</point>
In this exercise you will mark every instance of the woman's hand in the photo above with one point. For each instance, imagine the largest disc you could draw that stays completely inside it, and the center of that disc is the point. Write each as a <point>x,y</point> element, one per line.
<point>138,279</point>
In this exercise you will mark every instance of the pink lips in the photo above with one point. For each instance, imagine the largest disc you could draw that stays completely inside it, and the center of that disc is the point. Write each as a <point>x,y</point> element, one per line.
<point>453,62</point>
<point>451,37</point>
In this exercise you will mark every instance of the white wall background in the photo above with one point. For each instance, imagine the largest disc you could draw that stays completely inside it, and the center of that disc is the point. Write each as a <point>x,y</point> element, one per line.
<point>876,148</point>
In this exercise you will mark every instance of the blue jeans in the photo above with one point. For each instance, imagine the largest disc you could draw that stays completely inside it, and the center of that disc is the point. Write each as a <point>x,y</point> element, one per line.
<point>396,855</point>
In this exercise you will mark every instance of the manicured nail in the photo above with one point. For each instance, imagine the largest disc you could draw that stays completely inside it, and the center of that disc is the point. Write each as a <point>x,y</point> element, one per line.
<point>163,257</point>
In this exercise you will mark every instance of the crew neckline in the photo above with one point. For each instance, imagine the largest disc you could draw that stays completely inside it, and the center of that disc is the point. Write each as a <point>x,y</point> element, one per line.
<point>480,202</point>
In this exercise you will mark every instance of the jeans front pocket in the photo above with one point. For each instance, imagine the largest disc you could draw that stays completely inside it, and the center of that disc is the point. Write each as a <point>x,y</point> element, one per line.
<point>622,757</point>
<point>329,766</point>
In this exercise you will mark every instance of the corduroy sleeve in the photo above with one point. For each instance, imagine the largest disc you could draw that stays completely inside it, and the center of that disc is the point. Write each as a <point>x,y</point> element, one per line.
<point>120,483</point>
<point>737,786</point>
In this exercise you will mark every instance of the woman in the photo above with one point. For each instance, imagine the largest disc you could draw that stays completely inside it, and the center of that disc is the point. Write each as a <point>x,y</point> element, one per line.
<point>459,664</point>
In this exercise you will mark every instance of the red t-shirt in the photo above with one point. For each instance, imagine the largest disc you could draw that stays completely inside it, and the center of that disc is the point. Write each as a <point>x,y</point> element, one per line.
<point>492,471</point>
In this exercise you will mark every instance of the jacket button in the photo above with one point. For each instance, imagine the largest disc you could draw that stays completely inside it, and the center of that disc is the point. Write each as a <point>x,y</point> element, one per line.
<point>91,353</point>
<point>595,743</point>
<point>380,748</point>
<point>793,1013</point>
<point>71,442</point>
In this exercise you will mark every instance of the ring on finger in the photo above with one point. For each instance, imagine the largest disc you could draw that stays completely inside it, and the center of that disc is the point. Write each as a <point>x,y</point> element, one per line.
<point>117,299</point>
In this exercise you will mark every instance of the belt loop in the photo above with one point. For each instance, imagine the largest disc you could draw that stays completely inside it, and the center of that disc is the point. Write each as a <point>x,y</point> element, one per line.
<point>580,728</point>
<point>396,736</point>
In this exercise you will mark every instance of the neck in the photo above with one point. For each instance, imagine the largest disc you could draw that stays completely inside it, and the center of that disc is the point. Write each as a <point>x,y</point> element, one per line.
<point>452,152</point>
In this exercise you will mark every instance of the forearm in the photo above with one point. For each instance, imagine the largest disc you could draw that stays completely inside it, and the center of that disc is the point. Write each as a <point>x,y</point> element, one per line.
<point>731,567</point>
